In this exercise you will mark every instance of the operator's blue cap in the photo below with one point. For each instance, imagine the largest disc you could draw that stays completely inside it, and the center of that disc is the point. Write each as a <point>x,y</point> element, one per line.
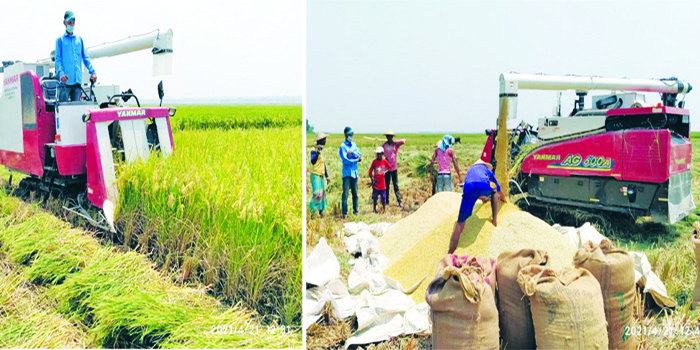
<point>69,16</point>
<point>348,130</point>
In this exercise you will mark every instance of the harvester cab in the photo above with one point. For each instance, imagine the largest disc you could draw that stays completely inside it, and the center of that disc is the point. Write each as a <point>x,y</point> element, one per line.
<point>623,154</point>
<point>73,148</point>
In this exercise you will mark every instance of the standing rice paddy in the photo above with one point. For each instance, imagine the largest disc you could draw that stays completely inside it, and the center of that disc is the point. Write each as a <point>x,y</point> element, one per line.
<point>225,209</point>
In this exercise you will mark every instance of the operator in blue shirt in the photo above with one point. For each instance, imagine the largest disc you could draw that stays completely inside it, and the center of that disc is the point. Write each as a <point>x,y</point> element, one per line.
<point>70,56</point>
<point>350,155</point>
<point>477,185</point>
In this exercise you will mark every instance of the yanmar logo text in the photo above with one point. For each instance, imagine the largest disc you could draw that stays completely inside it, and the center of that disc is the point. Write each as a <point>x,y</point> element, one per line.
<point>132,113</point>
<point>11,80</point>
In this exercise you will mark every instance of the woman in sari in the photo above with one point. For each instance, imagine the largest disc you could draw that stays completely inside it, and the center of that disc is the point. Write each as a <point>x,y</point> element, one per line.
<point>319,176</point>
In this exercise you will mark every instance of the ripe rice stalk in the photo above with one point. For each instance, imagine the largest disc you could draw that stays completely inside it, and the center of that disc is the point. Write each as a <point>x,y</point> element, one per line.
<point>228,203</point>
<point>236,117</point>
<point>119,298</point>
<point>27,318</point>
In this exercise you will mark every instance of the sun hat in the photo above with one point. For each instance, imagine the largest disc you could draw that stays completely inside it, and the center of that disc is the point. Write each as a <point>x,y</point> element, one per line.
<point>480,161</point>
<point>379,150</point>
<point>390,132</point>
<point>320,136</point>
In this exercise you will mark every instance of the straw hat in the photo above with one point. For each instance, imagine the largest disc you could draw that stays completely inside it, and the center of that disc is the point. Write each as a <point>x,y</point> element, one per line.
<point>480,161</point>
<point>389,132</point>
<point>379,150</point>
<point>320,136</point>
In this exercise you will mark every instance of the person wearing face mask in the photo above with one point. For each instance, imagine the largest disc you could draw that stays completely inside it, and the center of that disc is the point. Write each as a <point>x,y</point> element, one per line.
<point>350,155</point>
<point>70,57</point>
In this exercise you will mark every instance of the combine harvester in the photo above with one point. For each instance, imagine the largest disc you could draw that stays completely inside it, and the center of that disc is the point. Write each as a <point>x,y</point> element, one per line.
<point>622,155</point>
<point>71,148</point>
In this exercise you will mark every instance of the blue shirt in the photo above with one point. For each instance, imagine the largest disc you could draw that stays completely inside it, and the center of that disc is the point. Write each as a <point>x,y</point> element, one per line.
<point>349,161</point>
<point>481,174</point>
<point>70,54</point>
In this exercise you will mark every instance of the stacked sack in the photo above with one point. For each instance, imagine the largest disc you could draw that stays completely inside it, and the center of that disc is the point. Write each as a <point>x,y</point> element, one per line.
<point>517,329</point>
<point>614,270</point>
<point>567,307</point>
<point>462,304</point>
<point>696,246</point>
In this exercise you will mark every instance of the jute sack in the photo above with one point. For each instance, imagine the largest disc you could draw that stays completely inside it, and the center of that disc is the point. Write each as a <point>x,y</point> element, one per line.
<point>696,246</point>
<point>567,308</point>
<point>614,271</point>
<point>485,266</point>
<point>463,307</point>
<point>517,330</point>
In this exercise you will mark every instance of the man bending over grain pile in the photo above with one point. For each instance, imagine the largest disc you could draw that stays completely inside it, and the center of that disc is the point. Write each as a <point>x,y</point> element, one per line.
<point>477,185</point>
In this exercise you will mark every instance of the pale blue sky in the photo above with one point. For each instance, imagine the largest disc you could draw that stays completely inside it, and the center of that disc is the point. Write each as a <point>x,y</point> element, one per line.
<point>222,48</point>
<point>433,66</point>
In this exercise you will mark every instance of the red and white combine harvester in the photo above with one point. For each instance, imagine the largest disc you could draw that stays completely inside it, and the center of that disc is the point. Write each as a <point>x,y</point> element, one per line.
<point>71,148</point>
<point>623,154</point>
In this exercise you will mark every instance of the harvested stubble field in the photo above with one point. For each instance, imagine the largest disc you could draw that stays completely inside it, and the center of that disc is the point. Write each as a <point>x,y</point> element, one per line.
<point>668,247</point>
<point>216,228</point>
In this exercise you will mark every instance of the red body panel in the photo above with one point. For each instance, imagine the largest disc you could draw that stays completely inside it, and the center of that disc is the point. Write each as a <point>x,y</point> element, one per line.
<point>96,189</point>
<point>639,155</point>
<point>71,159</point>
<point>647,110</point>
<point>597,155</point>
<point>32,160</point>
<point>488,149</point>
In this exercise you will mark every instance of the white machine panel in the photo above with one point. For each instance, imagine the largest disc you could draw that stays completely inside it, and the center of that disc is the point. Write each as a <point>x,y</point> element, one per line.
<point>103,92</point>
<point>69,122</point>
<point>550,128</point>
<point>135,141</point>
<point>11,138</point>
<point>110,177</point>
<point>164,137</point>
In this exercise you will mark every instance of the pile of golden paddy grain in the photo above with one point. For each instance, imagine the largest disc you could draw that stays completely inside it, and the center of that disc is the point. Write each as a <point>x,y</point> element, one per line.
<point>403,235</point>
<point>413,256</point>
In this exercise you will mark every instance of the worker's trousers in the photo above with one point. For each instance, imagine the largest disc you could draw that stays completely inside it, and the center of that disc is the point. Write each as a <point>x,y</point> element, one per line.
<point>392,176</point>
<point>68,93</point>
<point>349,183</point>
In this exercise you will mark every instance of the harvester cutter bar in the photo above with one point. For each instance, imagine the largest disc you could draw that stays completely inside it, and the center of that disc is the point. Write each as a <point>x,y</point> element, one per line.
<point>77,209</point>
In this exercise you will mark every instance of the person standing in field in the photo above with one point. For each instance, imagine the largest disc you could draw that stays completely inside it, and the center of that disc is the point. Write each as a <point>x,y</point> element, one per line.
<point>477,185</point>
<point>350,155</point>
<point>377,171</point>
<point>319,176</point>
<point>391,150</point>
<point>70,56</point>
<point>443,154</point>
